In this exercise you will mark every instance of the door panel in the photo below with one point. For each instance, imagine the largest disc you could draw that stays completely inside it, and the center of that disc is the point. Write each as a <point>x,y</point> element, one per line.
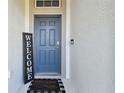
<point>42,37</point>
<point>47,44</point>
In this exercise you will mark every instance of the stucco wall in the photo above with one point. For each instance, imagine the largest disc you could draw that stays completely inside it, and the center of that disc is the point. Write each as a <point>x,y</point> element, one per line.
<point>15,27</point>
<point>92,55</point>
<point>50,11</point>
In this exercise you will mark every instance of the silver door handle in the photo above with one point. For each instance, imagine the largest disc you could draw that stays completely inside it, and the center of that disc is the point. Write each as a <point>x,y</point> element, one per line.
<point>57,42</point>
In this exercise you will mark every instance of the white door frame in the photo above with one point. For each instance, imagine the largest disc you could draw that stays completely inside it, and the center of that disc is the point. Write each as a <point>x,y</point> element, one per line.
<point>68,13</point>
<point>68,6</point>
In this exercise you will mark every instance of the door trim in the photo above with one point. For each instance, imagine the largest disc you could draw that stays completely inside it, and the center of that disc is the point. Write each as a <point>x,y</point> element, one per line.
<point>68,32</point>
<point>66,73</point>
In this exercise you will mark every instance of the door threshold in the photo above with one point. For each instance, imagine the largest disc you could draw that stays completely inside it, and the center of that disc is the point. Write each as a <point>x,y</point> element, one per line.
<point>47,75</point>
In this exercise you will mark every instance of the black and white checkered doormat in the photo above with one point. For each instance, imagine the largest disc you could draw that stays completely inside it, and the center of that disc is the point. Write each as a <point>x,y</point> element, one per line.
<point>46,86</point>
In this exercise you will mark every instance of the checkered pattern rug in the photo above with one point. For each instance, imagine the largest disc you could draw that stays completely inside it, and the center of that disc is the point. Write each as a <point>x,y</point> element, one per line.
<point>46,86</point>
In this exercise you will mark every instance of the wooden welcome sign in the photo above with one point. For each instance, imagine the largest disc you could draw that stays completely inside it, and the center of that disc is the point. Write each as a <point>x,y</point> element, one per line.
<point>28,57</point>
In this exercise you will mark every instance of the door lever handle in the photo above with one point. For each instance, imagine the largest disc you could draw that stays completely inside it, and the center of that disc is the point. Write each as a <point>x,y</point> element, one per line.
<point>57,42</point>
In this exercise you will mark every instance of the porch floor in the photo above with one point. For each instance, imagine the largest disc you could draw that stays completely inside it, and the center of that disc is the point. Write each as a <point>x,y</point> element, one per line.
<point>67,84</point>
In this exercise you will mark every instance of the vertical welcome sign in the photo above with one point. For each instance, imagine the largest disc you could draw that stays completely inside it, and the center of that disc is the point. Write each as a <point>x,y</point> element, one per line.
<point>28,57</point>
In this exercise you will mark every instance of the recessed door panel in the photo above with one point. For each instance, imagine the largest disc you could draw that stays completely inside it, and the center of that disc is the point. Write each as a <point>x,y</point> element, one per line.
<point>42,37</point>
<point>52,37</point>
<point>52,54</point>
<point>42,56</point>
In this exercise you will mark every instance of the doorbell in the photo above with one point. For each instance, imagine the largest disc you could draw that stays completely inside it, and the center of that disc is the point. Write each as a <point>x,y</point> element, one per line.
<point>72,41</point>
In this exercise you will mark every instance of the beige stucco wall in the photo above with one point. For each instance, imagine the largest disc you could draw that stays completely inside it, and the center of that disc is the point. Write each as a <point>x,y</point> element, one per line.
<point>50,11</point>
<point>93,54</point>
<point>16,24</point>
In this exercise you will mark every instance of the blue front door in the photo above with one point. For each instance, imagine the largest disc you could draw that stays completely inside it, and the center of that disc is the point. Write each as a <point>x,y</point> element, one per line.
<point>48,44</point>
